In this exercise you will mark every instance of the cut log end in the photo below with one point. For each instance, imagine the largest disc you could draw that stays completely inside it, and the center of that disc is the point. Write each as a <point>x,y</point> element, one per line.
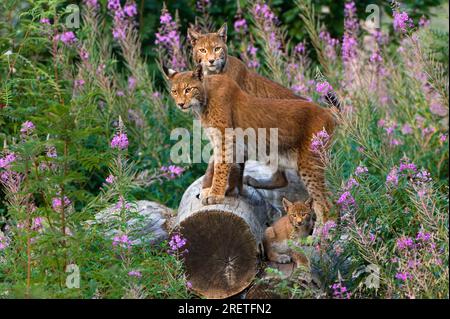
<point>222,255</point>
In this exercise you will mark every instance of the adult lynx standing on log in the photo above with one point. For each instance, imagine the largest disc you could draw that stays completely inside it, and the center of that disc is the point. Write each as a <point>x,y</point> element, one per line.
<point>220,104</point>
<point>211,51</point>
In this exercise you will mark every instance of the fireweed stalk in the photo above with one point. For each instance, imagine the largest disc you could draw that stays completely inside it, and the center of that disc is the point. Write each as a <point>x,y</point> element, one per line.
<point>271,38</point>
<point>169,42</point>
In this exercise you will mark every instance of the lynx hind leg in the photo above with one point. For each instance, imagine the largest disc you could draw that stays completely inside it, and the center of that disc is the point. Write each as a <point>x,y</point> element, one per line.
<point>277,180</point>
<point>235,180</point>
<point>313,176</point>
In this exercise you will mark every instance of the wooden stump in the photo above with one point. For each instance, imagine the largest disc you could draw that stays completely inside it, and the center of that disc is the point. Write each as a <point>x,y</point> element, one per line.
<point>224,242</point>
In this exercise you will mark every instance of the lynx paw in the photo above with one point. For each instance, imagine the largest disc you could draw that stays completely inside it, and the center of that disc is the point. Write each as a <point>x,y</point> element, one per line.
<point>283,259</point>
<point>204,193</point>
<point>213,199</point>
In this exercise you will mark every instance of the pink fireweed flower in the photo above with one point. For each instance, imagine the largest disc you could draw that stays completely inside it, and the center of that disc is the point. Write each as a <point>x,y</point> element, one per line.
<point>79,83</point>
<point>407,129</point>
<point>51,152</point>
<point>392,177</point>
<point>156,95</point>
<point>340,291</point>
<point>67,38</point>
<point>253,63</point>
<point>122,241</point>
<point>319,141</point>
<point>172,171</point>
<point>351,183</point>
<point>361,170</point>
<point>188,285</point>
<point>240,25</point>
<point>395,142</point>
<point>122,204</point>
<point>113,4</point>
<point>84,55</point>
<point>45,21</point>
<point>402,22</point>
<point>403,276</point>
<point>300,48</point>
<point>422,177</point>
<point>27,128</point>
<point>326,228</point>
<point>131,83</point>
<point>376,58</point>
<point>176,243</point>
<point>323,88</point>
<point>57,203</point>
<point>443,138</point>
<point>330,44</point>
<point>169,41</point>
<point>405,165</point>
<point>110,179</point>
<point>404,243</point>
<point>422,236</point>
<point>428,131</point>
<point>91,3</point>
<point>130,9</point>
<point>424,22</point>
<point>346,200</point>
<point>381,123</point>
<point>37,223</point>
<point>7,160</point>
<point>390,128</point>
<point>135,273</point>
<point>3,242</point>
<point>119,141</point>
<point>120,93</point>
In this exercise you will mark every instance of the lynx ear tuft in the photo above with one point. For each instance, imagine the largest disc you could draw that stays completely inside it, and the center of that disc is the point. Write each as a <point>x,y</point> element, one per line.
<point>169,73</point>
<point>198,72</point>
<point>193,35</point>
<point>286,204</point>
<point>223,32</point>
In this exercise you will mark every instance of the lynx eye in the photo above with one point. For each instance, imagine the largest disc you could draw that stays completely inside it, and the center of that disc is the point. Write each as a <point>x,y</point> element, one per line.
<point>187,90</point>
<point>202,50</point>
<point>174,92</point>
<point>217,49</point>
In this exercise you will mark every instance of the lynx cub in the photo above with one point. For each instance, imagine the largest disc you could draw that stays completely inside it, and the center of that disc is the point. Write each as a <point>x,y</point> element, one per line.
<point>296,224</point>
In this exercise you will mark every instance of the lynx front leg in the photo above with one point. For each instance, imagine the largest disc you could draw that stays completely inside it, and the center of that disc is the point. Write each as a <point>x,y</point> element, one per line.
<point>216,193</point>
<point>207,180</point>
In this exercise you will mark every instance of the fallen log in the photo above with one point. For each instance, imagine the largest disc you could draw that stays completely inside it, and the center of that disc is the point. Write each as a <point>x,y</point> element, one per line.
<point>224,242</point>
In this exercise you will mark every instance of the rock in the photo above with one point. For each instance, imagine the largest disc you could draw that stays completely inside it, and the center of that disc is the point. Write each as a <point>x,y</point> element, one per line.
<point>147,222</point>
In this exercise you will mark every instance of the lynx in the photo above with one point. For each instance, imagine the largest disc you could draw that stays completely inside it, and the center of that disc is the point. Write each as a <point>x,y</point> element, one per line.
<point>297,223</point>
<point>220,103</point>
<point>211,51</point>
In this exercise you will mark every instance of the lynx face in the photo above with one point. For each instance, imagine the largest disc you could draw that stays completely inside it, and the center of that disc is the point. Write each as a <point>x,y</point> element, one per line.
<point>210,50</point>
<point>187,89</point>
<point>299,213</point>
